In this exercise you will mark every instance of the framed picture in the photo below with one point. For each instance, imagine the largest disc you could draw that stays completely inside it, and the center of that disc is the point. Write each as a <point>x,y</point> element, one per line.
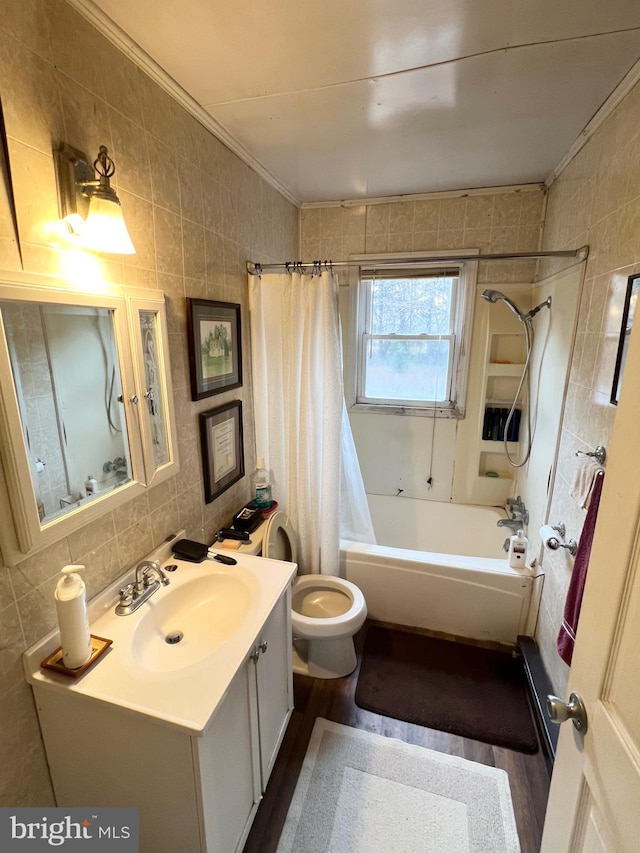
<point>633,285</point>
<point>222,448</point>
<point>215,347</point>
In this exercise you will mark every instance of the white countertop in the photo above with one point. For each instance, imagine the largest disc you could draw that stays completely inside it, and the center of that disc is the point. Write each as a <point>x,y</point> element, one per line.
<point>184,697</point>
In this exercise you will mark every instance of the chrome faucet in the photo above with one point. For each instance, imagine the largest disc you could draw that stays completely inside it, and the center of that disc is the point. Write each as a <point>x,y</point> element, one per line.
<point>143,587</point>
<point>511,523</point>
<point>519,515</point>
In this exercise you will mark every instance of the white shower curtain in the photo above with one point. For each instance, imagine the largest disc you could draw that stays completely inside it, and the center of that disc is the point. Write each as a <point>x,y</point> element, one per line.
<point>298,400</point>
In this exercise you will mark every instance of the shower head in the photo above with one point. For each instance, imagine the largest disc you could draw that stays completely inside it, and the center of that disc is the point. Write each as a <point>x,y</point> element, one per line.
<point>495,295</point>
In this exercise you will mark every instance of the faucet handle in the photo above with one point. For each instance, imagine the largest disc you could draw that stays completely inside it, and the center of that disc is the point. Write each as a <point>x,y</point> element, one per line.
<point>126,594</point>
<point>148,572</point>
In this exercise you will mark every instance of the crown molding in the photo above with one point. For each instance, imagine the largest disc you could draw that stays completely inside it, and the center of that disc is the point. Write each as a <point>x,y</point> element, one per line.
<point>108,27</point>
<point>597,120</point>
<point>386,199</point>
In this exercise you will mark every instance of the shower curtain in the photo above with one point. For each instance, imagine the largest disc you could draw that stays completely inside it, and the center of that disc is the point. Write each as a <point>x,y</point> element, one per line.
<point>300,419</point>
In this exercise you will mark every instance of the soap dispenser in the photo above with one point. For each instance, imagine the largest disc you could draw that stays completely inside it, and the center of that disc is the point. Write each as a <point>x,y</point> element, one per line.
<point>71,607</point>
<point>518,550</point>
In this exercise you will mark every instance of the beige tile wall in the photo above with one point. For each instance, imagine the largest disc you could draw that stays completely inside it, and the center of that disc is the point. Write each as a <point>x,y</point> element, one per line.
<point>195,213</point>
<point>491,222</point>
<point>596,200</point>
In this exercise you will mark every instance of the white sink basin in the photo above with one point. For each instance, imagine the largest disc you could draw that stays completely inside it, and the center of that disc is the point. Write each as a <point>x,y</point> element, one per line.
<point>182,625</point>
<point>217,611</point>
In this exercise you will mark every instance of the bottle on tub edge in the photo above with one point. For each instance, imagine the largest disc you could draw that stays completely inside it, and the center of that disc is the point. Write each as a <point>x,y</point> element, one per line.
<point>518,550</point>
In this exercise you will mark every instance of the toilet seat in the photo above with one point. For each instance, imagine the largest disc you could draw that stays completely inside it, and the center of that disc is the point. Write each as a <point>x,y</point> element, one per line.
<point>278,538</point>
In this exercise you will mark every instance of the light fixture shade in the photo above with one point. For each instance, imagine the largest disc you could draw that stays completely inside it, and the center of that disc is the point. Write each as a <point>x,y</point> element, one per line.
<point>105,229</point>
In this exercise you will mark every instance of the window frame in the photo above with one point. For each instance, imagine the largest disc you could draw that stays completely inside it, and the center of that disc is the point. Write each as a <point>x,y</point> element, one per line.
<point>460,332</point>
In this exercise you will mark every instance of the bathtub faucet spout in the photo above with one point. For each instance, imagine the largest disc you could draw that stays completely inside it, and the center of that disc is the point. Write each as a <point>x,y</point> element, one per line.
<point>518,514</point>
<point>511,523</point>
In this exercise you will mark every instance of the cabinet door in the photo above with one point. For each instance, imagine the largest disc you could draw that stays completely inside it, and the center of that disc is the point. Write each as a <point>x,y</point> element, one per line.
<point>153,382</point>
<point>227,758</point>
<point>275,683</point>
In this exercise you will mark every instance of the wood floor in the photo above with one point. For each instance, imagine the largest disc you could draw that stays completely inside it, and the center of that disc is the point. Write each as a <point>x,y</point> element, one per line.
<point>333,700</point>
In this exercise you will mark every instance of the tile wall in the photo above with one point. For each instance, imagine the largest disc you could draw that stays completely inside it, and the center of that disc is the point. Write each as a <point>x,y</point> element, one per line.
<point>195,213</point>
<point>596,200</point>
<point>491,222</point>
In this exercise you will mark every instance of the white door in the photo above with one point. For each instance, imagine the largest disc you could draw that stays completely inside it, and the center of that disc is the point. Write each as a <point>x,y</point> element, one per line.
<point>594,802</point>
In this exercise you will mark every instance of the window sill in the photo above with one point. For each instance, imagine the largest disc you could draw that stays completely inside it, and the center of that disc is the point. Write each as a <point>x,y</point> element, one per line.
<point>428,412</point>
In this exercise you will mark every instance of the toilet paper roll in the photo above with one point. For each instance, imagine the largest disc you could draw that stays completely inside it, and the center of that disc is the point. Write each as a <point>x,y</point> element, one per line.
<point>547,532</point>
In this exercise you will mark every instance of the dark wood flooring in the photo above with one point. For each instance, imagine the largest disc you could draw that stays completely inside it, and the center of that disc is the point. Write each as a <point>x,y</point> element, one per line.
<point>333,700</point>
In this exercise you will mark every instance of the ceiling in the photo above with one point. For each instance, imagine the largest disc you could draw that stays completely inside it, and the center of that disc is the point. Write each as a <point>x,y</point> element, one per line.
<point>349,99</point>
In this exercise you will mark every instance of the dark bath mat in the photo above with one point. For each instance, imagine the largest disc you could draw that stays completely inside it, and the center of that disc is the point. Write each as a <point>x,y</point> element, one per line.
<point>457,688</point>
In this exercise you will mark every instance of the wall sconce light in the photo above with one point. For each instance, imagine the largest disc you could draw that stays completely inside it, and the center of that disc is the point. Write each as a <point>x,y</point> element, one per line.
<point>88,204</point>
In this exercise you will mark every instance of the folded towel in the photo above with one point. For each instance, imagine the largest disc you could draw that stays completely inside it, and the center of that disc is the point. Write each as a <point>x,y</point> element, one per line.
<point>585,476</point>
<point>567,633</point>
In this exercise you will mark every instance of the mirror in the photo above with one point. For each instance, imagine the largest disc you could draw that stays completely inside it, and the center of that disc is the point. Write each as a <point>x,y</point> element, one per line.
<point>86,420</point>
<point>68,385</point>
<point>633,285</point>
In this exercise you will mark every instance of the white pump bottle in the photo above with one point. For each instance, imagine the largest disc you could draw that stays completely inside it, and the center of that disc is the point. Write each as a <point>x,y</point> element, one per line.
<point>518,550</point>
<point>71,606</point>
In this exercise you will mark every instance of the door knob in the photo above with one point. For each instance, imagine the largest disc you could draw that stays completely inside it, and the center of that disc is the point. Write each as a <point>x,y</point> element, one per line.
<point>573,710</point>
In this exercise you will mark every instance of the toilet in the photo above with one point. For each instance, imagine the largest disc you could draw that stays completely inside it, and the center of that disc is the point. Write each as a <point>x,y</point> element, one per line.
<point>326,611</point>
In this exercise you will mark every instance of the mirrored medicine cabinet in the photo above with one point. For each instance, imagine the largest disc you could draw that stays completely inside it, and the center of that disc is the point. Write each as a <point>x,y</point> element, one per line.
<point>86,415</point>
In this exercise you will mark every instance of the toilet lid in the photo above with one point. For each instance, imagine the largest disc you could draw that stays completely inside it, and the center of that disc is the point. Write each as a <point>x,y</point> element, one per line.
<point>279,539</point>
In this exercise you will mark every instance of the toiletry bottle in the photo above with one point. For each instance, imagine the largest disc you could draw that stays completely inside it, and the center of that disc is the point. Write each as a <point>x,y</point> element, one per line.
<point>91,484</point>
<point>518,550</point>
<point>262,486</point>
<point>71,606</point>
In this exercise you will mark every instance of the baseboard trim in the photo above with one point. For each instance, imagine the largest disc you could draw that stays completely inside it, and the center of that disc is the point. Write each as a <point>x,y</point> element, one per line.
<point>539,688</point>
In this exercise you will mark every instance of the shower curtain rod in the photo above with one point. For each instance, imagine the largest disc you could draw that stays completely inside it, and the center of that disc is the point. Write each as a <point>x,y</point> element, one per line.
<point>255,268</point>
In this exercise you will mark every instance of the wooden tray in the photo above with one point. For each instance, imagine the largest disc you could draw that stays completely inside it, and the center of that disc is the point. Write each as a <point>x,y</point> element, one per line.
<point>99,646</point>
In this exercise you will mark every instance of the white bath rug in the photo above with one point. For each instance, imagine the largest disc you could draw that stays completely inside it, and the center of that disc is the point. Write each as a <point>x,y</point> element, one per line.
<point>363,793</point>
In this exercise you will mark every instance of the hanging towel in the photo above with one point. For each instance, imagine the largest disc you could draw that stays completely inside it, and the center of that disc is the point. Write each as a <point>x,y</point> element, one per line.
<point>567,633</point>
<point>587,469</point>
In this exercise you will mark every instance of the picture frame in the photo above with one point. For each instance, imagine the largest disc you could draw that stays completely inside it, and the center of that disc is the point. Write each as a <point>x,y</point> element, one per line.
<point>215,347</point>
<point>222,443</point>
<point>633,286</point>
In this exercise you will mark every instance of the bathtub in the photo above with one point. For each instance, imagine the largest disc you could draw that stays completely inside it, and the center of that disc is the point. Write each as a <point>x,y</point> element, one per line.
<point>440,566</point>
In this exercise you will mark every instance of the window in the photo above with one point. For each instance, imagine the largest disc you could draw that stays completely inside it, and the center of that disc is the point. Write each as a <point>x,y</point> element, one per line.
<point>411,339</point>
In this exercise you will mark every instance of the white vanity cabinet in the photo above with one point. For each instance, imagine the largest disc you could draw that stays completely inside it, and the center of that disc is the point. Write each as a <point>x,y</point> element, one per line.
<point>235,757</point>
<point>195,791</point>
